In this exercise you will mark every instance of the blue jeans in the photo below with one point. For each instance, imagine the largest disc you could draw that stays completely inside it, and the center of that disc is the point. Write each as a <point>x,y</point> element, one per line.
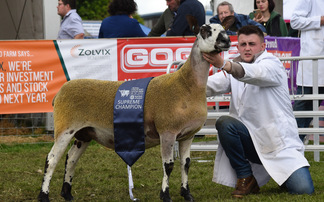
<point>305,105</point>
<point>238,146</point>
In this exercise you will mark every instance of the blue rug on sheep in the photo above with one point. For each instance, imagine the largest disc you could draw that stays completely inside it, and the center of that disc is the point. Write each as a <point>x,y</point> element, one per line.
<point>129,120</point>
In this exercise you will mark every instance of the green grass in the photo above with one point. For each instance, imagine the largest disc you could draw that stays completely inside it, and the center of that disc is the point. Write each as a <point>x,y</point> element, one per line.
<point>102,176</point>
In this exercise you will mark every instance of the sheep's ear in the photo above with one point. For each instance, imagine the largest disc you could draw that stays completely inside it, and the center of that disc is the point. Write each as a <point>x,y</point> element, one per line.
<point>193,24</point>
<point>228,22</point>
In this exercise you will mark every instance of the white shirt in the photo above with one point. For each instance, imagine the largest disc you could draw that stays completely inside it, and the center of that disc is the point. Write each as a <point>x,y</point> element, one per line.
<point>260,100</point>
<point>71,26</point>
<point>307,18</point>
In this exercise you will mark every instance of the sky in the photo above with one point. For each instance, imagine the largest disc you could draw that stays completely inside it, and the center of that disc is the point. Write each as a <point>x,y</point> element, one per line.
<point>152,6</point>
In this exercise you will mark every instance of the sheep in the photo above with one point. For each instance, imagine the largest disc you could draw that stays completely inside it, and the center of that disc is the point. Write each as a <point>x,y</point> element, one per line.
<point>83,109</point>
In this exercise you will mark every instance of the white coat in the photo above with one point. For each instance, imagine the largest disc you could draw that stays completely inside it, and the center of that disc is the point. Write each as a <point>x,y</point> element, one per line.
<point>260,100</point>
<point>307,18</point>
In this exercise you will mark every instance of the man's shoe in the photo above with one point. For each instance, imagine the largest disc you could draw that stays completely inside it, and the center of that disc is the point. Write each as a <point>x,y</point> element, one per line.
<point>245,186</point>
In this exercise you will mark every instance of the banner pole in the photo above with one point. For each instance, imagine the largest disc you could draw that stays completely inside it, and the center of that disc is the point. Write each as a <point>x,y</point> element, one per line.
<point>131,184</point>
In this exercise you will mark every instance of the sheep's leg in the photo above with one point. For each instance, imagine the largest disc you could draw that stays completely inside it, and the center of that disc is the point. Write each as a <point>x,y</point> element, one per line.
<point>184,150</point>
<point>52,159</point>
<point>72,158</point>
<point>167,142</point>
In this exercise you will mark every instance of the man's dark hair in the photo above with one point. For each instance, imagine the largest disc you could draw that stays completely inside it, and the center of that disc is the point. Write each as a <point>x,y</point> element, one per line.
<point>271,5</point>
<point>122,7</point>
<point>72,3</point>
<point>251,29</point>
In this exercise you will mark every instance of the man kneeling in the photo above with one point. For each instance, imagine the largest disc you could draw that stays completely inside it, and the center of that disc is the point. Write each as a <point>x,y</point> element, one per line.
<point>260,138</point>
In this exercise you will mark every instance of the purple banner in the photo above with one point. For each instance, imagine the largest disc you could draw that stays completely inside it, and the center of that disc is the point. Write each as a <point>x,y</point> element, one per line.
<point>286,47</point>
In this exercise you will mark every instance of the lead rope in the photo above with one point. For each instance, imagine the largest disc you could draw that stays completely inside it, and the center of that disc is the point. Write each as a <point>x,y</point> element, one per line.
<point>131,184</point>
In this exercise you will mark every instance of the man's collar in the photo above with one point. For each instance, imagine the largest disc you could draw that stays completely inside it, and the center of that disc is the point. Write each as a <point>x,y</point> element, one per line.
<point>69,13</point>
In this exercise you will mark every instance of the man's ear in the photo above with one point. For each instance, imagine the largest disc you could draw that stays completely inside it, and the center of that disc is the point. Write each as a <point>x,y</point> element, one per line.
<point>263,46</point>
<point>228,22</point>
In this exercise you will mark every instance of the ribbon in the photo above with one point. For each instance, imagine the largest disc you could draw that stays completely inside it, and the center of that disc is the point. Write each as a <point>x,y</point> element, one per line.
<point>129,120</point>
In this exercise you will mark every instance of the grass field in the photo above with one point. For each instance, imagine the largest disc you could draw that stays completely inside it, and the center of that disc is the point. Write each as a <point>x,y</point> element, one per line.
<point>102,176</point>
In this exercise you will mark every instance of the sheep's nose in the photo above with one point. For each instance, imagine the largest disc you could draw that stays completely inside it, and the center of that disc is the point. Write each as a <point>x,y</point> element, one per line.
<point>223,39</point>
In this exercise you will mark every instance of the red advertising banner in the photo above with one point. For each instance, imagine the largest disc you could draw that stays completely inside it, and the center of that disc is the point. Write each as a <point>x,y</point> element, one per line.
<point>147,57</point>
<point>32,72</point>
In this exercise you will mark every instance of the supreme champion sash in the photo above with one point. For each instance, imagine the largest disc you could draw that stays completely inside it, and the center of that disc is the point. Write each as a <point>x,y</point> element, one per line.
<point>129,120</point>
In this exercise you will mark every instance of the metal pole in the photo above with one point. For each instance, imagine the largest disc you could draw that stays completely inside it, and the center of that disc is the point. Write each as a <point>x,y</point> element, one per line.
<point>315,107</point>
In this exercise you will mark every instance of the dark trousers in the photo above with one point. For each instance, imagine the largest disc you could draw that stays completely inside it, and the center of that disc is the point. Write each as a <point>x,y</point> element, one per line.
<point>239,148</point>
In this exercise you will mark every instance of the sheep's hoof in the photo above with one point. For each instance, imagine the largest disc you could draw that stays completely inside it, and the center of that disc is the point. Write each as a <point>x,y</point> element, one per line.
<point>165,196</point>
<point>66,192</point>
<point>42,197</point>
<point>186,194</point>
<point>189,197</point>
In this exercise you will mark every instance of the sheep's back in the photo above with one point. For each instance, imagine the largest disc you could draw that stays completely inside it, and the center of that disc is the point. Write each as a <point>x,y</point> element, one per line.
<point>85,102</point>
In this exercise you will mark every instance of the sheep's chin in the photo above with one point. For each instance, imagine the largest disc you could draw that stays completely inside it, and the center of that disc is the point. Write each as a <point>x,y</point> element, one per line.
<point>206,45</point>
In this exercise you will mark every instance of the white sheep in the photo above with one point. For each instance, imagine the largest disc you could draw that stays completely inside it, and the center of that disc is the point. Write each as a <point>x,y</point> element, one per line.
<point>175,109</point>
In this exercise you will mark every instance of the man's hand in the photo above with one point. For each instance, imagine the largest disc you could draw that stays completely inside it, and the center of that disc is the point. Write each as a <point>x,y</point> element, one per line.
<point>214,59</point>
<point>79,36</point>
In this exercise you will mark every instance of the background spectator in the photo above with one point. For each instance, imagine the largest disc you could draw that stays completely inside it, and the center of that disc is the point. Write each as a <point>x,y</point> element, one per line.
<point>225,9</point>
<point>120,22</point>
<point>166,19</point>
<point>71,25</point>
<point>308,17</point>
<point>270,19</point>
<point>180,25</point>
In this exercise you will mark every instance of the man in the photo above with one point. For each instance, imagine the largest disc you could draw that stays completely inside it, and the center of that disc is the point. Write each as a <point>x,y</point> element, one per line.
<point>259,139</point>
<point>71,25</point>
<point>180,25</point>
<point>308,17</point>
<point>225,9</point>
<point>166,19</point>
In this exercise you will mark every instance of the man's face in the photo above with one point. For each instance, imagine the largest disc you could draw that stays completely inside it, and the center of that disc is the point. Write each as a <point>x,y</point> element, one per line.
<point>173,4</point>
<point>62,9</point>
<point>249,45</point>
<point>223,12</point>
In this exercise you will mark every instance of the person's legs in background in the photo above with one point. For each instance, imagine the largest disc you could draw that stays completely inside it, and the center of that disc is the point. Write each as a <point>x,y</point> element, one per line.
<point>305,105</point>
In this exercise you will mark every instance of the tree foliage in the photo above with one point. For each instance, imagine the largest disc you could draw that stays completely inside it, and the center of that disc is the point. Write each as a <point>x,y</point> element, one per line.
<point>96,10</point>
<point>93,9</point>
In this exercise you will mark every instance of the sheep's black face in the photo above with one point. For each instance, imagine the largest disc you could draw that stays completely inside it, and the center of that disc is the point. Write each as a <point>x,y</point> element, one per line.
<point>213,38</point>
<point>223,42</point>
<point>205,31</point>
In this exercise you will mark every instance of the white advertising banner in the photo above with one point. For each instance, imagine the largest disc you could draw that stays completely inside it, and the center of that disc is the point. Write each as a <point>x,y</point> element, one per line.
<point>89,59</point>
